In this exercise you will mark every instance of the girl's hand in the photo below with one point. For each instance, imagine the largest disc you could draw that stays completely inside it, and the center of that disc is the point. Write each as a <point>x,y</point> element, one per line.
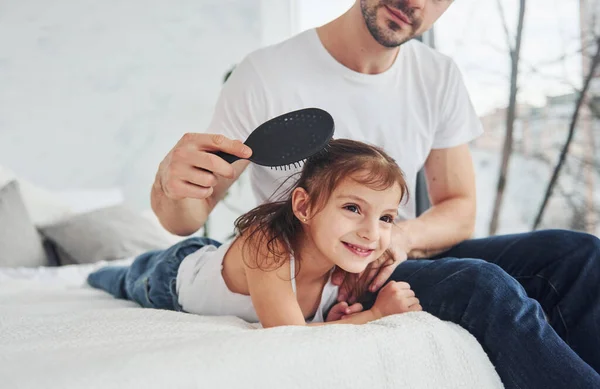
<point>341,309</point>
<point>395,297</point>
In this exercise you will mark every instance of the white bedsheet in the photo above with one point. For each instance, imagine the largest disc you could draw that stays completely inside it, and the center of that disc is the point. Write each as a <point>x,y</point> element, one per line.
<point>55,332</point>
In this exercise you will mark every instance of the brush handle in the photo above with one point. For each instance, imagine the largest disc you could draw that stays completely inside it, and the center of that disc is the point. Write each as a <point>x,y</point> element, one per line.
<point>227,157</point>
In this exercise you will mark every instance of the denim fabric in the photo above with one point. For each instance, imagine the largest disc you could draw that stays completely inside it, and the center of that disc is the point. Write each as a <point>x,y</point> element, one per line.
<point>151,280</point>
<point>501,289</point>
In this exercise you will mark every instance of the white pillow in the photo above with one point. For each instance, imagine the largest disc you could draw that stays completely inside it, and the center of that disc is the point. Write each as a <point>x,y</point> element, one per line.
<point>43,206</point>
<point>46,207</point>
<point>87,200</point>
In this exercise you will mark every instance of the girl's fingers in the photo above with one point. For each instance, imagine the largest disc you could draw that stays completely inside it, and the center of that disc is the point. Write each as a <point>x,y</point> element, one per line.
<point>336,312</point>
<point>412,301</point>
<point>354,308</point>
<point>341,307</point>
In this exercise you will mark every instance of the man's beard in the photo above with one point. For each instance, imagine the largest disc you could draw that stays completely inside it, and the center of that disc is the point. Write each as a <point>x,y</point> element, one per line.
<point>386,36</point>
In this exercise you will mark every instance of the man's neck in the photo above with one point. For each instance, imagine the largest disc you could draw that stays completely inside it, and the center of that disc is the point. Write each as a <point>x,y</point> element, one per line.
<point>349,41</point>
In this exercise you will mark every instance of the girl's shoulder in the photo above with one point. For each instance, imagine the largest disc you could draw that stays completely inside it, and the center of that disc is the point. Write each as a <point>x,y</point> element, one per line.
<point>261,250</point>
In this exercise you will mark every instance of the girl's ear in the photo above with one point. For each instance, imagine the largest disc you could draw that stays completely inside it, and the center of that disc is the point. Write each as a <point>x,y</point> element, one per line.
<point>300,204</point>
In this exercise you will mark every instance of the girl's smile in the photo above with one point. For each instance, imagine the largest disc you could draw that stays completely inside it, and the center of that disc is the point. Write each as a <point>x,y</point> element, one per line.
<point>359,250</point>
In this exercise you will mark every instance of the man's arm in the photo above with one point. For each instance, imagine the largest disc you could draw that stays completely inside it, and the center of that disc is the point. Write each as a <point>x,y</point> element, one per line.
<point>450,176</point>
<point>191,181</point>
<point>451,219</point>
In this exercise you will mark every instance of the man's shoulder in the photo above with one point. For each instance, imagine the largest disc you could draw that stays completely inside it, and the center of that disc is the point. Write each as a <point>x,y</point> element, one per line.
<point>264,65</point>
<point>281,50</point>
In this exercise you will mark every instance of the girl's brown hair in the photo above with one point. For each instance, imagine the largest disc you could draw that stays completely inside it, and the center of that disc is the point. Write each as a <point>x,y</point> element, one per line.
<point>273,224</point>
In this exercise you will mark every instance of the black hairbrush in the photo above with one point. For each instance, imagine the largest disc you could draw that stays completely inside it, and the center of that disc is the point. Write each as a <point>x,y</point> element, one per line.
<point>288,139</point>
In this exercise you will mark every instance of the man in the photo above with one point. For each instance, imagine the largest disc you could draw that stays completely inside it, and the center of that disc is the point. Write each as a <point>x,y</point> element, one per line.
<point>384,88</point>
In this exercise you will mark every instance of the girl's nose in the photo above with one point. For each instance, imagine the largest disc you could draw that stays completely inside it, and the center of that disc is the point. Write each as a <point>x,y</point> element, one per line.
<point>369,230</point>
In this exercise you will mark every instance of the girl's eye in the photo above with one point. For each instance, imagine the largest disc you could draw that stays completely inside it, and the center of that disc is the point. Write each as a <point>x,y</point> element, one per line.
<point>387,219</point>
<point>351,208</point>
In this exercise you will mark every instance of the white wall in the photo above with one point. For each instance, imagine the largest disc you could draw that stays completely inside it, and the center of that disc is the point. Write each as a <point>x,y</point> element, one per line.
<point>278,20</point>
<point>314,13</point>
<point>93,93</point>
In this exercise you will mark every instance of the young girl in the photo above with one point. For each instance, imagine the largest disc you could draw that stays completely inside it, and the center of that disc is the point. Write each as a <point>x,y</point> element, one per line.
<point>277,270</point>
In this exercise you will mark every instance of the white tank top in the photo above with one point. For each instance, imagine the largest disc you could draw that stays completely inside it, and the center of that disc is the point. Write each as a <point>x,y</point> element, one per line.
<point>202,290</point>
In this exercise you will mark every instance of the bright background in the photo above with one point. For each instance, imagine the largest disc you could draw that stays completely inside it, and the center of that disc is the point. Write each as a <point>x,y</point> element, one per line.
<point>94,93</point>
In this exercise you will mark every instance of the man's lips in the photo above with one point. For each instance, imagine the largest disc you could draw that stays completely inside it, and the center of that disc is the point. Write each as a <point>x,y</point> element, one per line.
<point>399,15</point>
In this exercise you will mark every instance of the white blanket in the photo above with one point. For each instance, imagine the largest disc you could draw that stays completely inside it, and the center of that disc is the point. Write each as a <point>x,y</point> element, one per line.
<point>55,332</point>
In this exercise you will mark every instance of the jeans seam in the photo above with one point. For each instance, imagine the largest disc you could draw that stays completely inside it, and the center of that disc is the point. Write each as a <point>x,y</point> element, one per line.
<point>173,293</point>
<point>146,283</point>
<point>557,307</point>
<point>418,270</point>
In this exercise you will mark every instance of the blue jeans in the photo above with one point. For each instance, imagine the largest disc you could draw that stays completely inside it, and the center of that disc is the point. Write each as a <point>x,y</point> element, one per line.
<point>532,300</point>
<point>151,280</point>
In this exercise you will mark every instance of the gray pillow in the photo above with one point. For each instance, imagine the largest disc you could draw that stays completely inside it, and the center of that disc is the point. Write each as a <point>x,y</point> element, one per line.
<point>103,235</point>
<point>20,243</point>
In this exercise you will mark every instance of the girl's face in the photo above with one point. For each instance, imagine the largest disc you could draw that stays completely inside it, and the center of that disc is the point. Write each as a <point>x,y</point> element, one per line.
<point>354,227</point>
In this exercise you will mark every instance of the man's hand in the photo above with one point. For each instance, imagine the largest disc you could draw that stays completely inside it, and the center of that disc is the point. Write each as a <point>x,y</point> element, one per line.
<point>341,310</point>
<point>190,170</point>
<point>379,272</point>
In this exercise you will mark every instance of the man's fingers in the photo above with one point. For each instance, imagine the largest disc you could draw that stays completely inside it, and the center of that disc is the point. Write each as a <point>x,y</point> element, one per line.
<point>415,308</point>
<point>229,146</point>
<point>198,150</point>
<point>217,142</point>
<point>381,278</point>
<point>371,275</point>
<point>203,178</point>
<point>211,162</point>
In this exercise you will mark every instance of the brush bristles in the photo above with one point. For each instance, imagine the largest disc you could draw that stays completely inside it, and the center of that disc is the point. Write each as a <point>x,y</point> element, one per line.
<point>297,165</point>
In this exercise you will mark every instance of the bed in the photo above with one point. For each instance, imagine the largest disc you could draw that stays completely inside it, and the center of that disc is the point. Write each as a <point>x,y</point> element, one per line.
<point>57,332</point>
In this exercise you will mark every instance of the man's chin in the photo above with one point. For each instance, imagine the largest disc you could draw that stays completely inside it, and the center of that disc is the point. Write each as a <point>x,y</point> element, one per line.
<point>392,40</point>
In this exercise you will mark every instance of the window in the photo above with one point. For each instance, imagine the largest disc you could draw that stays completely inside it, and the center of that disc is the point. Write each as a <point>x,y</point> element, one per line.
<point>551,72</point>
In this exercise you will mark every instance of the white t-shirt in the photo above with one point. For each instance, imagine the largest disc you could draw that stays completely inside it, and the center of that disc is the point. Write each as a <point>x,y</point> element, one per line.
<point>420,103</point>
